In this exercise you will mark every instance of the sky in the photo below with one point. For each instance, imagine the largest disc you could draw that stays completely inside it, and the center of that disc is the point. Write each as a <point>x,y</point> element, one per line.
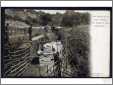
<point>60,11</point>
<point>52,11</point>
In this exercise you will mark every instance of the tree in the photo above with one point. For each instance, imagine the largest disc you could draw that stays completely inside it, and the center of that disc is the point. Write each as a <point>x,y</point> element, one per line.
<point>56,19</point>
<point>70,19</point>
<point>66,20</point>
<point>85,18</point>
<point>45,19</point>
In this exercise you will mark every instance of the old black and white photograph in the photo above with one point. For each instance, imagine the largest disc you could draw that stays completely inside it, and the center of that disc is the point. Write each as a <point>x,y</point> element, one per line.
<point>54,43</point>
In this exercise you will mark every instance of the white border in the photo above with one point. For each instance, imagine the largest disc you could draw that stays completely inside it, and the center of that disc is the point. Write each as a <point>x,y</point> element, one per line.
<point>56,3</point>
<point>99,43</point>
<point>56,81</point>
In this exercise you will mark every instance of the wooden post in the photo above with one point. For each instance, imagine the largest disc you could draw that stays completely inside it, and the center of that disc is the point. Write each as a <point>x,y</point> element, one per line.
<point>30,32</point>
<point>47,69</point>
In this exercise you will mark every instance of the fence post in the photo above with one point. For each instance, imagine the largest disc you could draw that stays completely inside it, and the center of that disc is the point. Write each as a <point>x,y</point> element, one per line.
<point>30,32</point>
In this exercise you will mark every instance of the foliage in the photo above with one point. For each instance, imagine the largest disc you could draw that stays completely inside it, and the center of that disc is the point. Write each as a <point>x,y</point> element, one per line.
<point>45,19</point>
<point>74,19</point>
<point>67,19</point>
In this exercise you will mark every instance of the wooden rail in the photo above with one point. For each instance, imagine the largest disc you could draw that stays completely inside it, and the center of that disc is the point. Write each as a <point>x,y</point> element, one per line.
<point>16,62</point>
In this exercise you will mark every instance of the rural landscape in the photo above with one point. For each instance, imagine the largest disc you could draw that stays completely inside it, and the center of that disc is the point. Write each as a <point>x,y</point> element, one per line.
<point>45,43</point>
